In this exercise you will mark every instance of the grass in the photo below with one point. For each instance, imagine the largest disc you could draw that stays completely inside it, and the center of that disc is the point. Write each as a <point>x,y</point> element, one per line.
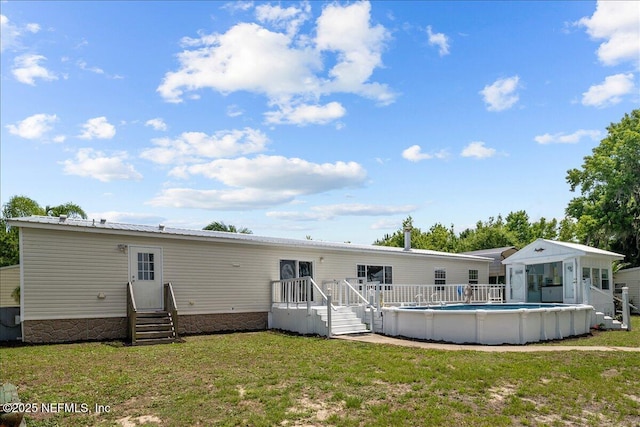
<point>607,338</point>
<point>268,378</point>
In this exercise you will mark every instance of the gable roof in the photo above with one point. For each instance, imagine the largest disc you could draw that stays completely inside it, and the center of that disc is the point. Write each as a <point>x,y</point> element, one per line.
<point>543,248</point>
<point>106,227</point>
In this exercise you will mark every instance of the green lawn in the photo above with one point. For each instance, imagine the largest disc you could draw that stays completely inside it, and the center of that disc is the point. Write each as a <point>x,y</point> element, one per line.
<point>608,338</point>
<point>268,378</point>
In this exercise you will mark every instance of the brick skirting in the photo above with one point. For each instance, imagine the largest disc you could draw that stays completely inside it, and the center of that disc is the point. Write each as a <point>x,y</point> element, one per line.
<point>66,330</point>
<point>222,322</point>
<point>115,328</point>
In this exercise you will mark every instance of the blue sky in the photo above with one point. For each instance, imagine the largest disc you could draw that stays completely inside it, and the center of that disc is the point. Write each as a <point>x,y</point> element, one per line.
<point>293,119</point>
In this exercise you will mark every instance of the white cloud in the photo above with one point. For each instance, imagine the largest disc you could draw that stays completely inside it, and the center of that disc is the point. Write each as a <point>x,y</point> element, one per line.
<point>290,18</point>
<point>33,127</point>
<point>286,67</point>
<point>618,23</point>
<point>157,124</point>
<point>243,199</point>
<point>95,164</point>
<point>306,114</point>
<point>277,173</point>
<point>98,127</point>
<point>327,212</point>
<point>478,150</point>
<point>197,146</point>
<point>10,33</point>
<point>238,5</point>
<point>563,138</point>
<point>247,57</point>
<point>610,91</point>
<point>83,66</point>
<point>234,111</point>
<point>262,182</point>
<point>415,154</point>
<point>501,94</point>
<point>347,30</point>
<point>27,68</point>
<point>440,40</point>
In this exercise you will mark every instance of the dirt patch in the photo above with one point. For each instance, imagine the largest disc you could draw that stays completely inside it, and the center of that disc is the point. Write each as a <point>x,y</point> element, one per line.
<point>138,421</point>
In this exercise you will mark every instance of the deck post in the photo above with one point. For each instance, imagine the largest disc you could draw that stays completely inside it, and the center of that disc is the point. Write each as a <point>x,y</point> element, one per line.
<point>328,312</point>
<point>308,295</point>
<point>625,308</point>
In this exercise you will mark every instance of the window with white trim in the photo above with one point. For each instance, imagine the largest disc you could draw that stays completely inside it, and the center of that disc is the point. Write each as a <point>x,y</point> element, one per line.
<point>473,277</point>
<point>146,266</point>
<point>291,269</point>
<point>596,278</point>
<point>440,278</point>
<point>376,273</point>
<point>605,278</point>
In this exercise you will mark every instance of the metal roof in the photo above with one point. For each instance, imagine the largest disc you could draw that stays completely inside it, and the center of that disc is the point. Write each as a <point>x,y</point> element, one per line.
<point>103,226</point>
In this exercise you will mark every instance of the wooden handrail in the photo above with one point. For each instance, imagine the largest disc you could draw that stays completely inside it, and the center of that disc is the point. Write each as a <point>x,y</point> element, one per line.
<point>132,314</point>
<point>171,306</point>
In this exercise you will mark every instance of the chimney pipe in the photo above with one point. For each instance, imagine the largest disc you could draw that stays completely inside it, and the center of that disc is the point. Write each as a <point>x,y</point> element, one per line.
<point>407,238</point>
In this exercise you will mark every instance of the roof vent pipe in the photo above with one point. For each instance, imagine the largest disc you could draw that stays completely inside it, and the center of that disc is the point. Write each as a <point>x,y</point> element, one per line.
<point>407,238</point>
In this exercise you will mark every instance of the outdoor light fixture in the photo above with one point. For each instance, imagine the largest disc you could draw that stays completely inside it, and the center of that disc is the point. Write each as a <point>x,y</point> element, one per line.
<point>122,248</point>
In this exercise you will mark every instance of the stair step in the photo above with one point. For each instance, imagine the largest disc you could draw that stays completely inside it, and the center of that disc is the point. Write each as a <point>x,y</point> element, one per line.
<point>154,328</point>
<point>147,341</point>
<point>154,334</point>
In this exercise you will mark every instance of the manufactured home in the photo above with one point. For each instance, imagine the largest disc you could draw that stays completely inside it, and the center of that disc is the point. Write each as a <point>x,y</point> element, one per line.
<point>83,279</point>
<point>549,271</point>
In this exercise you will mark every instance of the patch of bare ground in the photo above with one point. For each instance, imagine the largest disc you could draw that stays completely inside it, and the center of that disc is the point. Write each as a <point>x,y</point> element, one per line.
<point>138,421</point>
<point>312,411</point>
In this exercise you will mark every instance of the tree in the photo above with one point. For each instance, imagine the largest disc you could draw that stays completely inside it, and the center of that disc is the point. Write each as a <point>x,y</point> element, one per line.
<point>21,206</point>
<point>221,226</point>
<point>487,235</point>
<point>608,208</point>
<point>69,209</point>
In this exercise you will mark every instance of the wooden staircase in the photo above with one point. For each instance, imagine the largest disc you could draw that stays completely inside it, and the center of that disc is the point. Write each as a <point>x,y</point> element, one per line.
<point>153,327</point>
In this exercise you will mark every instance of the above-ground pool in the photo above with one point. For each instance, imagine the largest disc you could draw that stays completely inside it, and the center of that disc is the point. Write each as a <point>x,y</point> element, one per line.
<point>488,323</point>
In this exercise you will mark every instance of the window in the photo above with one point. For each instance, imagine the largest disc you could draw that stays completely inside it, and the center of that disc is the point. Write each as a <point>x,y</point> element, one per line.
<point>376,273</point>
<point>596,278</point>
<point>473,277</point>
<point>295,290</point>
<point>440,278</point>
<point>146,266</point>
<point>290,269</point>
<point>586,275</point>
<point>605,278</point>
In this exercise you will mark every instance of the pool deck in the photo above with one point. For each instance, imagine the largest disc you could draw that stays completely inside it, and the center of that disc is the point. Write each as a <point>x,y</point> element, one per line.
<point>383,339</point>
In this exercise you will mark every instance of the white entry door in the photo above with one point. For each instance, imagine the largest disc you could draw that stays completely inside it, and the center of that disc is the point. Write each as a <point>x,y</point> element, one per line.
<point>145,274</point>
<point>569,282</point>
<point>517,291</point>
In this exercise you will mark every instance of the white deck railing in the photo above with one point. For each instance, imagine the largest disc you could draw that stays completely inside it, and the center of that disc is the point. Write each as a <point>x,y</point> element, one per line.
<point>350,292</point>
<point>357,292</point>
<point>441,294</point>
<point>296,292</point>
